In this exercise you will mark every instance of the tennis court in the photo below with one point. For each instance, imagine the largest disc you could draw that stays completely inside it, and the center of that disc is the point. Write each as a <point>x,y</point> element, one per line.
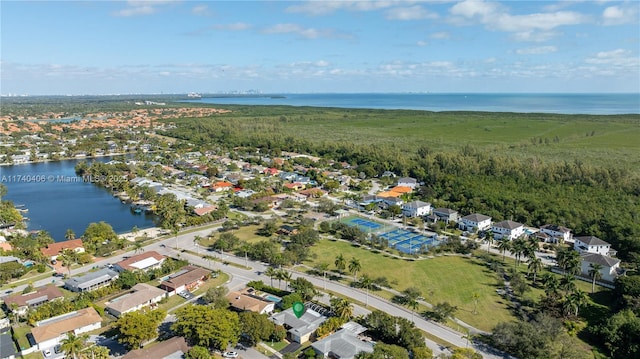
<point>363,224</point>
<point>407,241</point>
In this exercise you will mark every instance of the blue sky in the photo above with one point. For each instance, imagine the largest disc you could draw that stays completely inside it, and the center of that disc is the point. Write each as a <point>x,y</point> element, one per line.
<point>108,47</point>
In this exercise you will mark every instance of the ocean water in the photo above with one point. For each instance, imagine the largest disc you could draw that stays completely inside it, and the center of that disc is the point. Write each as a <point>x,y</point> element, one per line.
<point>595,104</point>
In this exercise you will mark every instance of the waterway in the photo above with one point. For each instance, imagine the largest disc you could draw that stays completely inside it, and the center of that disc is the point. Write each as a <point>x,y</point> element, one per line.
<point>58,200</point>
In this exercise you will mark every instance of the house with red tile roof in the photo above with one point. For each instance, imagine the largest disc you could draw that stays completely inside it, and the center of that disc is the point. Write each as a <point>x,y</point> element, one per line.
<point>221,186</point>
<point>53,250</point>
<point>51,332</point>
<point>188,278</point>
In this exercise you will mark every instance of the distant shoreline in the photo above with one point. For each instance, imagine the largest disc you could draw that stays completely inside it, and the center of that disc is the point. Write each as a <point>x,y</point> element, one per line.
<point>65,159</point>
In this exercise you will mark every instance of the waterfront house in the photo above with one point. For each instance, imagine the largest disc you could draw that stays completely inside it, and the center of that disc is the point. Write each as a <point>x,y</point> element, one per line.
<point>246,300</point>
<point>557,234</point>
<point>19,303</point>
<point>475,223</point>
<point>507,229</point>
<point>299,329</point>
<point>610,266</point>
<point>591,244</point>
<point>50,332</point>
<point>188,278</point>
<point>53,250</point>
<point>173,348</point>
<point>91,280</point>
<point>144,262</point>
<point>416,209</point>
<point>140,296</point>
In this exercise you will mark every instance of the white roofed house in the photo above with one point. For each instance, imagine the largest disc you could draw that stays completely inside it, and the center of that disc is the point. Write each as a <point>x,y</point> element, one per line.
<point>592,244</point>
<point>475,223</point>
<point>343,344</point>
<point>300,329</point>
<point>610,267</point>
<point>408,182</point>
<point>416,209</point>
<point>557,234</point>
<point>91,280</point>
<point>507,229</point>
<point>445,214</point>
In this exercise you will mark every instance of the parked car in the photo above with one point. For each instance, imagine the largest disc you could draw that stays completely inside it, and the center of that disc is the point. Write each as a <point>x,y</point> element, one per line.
<point>47,353</point>
<point>230,355</point>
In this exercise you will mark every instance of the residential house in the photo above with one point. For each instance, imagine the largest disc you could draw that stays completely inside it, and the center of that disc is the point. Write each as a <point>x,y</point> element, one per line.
<point>557,234</point>
<point>610,266</point>
<point>416,209</point>
<point>52,250</point>
<point>246,300</point>
<point>145,262</point>
<point>221,186</point>
<point>91,280</point>
<point>50,332</point>
<point>9,259</point>
<point>408,182</point>
<point>294,186</point>
<point>287,230</point>
<point>173,348</point>
<point>475,223</point>
<point>445,214</point>
<point>507,229</point>
<point>140,296</point>
<point>343,344</point>
<point>591,244</point>
<point>7,347</point>
<point>299,329</point>
<point>188,278</point>
<point>245,193</point>
<point>204,210</point>
<point>21,302</point>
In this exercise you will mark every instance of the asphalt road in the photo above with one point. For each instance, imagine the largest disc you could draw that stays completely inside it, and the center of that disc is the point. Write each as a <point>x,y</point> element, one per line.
<point>239,278</point>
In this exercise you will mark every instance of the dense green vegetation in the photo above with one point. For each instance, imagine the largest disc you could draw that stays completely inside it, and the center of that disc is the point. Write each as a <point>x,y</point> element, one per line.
<point>576,171</point>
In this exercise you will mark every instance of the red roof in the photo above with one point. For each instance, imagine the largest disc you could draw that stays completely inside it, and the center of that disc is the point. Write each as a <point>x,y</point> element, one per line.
<point>54,249</point>
<point>204,210</point>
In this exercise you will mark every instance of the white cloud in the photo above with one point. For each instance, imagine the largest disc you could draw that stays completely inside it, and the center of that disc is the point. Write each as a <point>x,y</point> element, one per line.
<point>540,50</point>
<point>238,26</point>
<point>422,43</point>
<point>307,33</point>
<point>619,15</point>
<point>201,10</point>
<point>529,27</point>
<point>325,7</point>
<point>443,35</point>
<point>617,58</point>
<point>415,12</point>
<point>140,7</point>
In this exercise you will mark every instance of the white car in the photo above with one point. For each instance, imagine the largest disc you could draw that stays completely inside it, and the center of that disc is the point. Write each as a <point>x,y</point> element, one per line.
<point>47,353</point>
<point>230,355</point>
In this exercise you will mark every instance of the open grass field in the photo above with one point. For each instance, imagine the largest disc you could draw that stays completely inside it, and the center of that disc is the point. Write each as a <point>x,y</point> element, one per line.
<point>590,138</point>
<point>451,278</point>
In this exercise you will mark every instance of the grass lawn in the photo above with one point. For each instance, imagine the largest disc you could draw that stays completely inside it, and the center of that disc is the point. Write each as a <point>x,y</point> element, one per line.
<point>277,346</point>
<point>20,334</point>
<point>453,279</point>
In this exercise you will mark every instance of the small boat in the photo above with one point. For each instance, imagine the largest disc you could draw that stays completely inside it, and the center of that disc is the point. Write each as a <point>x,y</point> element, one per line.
<point>23,210</point>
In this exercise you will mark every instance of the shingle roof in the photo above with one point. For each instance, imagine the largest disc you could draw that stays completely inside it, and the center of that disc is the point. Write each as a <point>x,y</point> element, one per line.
<point>417,204</point>
<point>597,258</point>
<point>42,294</point>
<point>591,241</point>
<point>244,301</point>
<point>189,275</point>
<point>508,224</point>
<point>556,228</point>
<point>343,344</point>
<point>140,294</point>
<point>444,211</point>
<point>91,278</point>
<point>65,323</point>
<point>476,217</point>
<point>160,350</point>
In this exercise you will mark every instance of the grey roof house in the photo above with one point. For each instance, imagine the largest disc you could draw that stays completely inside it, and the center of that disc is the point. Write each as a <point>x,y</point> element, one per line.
<point>91,280</point>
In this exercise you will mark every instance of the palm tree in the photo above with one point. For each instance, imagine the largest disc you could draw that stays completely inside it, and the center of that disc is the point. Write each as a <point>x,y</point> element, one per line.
<point>138,247</point>
<point>551,284</point>
<point>504,245</point>
<point>476,297</point>
<point>69,234</point>
<point>67,257</point>
<point>354,267</point>
<point>196,243</point>
<point>341,307</point>
<point>286,276</point>
<point>574,301</point>
<point>366,283</point>
<point>489,239</point>
<point>567,284</point>
<point>340,263</point>
<point>271,273</point>
<point>535,265</point>
<point>73,344</point>
<point>594,273</point>
<point>518,248</point>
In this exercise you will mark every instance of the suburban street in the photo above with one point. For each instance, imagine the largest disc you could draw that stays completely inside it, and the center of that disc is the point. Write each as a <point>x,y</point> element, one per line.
<point>239,277</point>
